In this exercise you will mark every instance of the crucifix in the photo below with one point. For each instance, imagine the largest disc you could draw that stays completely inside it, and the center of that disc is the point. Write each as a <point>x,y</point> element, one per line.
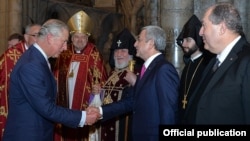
<point>119,43</point>
<point>184,102</point>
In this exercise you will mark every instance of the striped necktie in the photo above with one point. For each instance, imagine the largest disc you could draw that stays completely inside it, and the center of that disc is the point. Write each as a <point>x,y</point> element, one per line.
<point>216,65</point>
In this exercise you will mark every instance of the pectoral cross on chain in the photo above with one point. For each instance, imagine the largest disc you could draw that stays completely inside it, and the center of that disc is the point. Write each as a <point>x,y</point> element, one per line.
<point>184,102</point>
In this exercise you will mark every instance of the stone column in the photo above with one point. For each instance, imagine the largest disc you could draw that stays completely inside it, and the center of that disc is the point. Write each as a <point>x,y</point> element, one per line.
<point>151,12</point>
<point>201,6</point>
<point>174,14</point>
<point>10,20</point>
<point>15,16</point>
<point>3,25</point>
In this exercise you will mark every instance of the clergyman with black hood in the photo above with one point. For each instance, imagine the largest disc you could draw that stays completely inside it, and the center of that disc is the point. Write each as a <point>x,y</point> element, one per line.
<point>195,58</point>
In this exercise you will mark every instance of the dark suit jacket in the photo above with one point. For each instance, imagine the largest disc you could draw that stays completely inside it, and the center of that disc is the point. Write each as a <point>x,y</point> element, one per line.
<point>224,98</point>
<point>154,101</point>
<point>32,108</point>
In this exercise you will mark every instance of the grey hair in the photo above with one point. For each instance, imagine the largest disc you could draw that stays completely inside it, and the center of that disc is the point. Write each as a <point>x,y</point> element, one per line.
<point>158,35</point>
<point>52,26</point>
<point>226,12</point>
<point>27,28</point>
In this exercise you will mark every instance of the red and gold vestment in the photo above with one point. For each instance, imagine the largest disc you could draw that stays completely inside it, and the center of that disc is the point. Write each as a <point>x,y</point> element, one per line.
<point>91,70</point>
<point>7,61</point>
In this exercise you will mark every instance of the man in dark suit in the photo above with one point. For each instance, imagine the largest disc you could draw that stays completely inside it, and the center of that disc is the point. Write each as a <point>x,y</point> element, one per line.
<point>223,96</point>
<point>154,99</point>
<point>32,97</point>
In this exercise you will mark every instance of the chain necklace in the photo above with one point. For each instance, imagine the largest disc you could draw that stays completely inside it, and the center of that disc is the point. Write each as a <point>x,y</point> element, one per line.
<point>184,101</point>
<point>110,85</point>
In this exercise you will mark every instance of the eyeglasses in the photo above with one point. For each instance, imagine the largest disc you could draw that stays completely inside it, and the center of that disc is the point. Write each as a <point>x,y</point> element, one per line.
<point>34,35</point>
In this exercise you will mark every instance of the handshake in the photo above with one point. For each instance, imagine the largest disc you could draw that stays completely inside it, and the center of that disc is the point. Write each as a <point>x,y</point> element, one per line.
<point>92,115</point>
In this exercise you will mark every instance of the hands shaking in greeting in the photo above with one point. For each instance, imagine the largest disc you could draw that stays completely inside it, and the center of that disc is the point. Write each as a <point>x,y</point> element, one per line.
<point>92,115</point>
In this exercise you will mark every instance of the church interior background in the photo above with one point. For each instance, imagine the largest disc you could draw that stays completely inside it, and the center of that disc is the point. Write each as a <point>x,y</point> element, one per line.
<point>111,16</point>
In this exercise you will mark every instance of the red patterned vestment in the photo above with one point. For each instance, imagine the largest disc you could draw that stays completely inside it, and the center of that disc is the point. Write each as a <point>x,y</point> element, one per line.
<point>7,61</point>
<point>91,69</point>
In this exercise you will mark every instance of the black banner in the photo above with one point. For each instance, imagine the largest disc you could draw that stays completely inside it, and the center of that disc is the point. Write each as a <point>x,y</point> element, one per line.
<point>199,132</point>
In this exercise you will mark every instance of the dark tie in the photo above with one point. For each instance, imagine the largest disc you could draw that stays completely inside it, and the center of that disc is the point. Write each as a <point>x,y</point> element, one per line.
<point>216,65</point>
<point>143,69</point>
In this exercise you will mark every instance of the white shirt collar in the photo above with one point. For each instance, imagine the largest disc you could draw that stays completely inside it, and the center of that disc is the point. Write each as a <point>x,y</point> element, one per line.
<point>41,50</point>
<point>222,56</point>
<point>196,56</point>
<point>150,59</point>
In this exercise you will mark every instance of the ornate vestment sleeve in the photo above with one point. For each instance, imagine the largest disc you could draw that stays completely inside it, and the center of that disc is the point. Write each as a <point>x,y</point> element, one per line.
<point>3,89</point>
<point>99,73</point>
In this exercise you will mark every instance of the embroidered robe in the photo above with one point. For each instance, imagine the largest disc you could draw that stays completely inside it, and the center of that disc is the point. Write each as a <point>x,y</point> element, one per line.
<point>90,70</point>
<point>116,129</point>
<point>7,61</point>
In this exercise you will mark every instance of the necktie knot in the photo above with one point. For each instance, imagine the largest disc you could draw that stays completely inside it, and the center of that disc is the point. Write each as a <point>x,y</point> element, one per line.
<point>216,65</point>
<point>143,69</point>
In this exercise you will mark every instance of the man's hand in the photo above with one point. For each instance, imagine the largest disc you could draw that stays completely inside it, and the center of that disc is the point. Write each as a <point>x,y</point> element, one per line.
<point>92,115</point>
<point>130,77</point>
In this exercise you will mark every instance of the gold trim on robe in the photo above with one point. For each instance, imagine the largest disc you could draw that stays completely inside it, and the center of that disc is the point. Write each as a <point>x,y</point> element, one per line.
<point>116,128</point>
<point>7,61</point>
<point>89,59</point>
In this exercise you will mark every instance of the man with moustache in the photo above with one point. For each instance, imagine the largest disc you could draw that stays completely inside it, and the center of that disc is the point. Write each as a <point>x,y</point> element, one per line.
<point>195,59</point>
<point>122,58</point>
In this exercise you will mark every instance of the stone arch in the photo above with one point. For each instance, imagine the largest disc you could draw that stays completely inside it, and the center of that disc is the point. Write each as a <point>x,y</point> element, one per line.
<point>105,23</point>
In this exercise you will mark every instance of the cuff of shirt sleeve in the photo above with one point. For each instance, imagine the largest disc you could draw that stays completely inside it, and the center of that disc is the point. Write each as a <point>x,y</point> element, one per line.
<point>101,112</point>
<point>83,119</point>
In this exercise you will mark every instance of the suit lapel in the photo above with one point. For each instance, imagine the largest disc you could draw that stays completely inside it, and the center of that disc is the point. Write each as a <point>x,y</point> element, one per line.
<point>147,73</point>
<point>230,59</point>
<point>38,55</point>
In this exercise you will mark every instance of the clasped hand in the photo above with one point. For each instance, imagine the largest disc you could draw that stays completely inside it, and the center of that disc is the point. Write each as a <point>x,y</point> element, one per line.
<point>92,115</point>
